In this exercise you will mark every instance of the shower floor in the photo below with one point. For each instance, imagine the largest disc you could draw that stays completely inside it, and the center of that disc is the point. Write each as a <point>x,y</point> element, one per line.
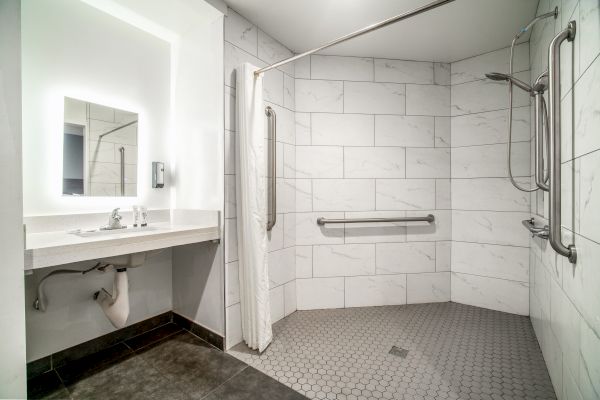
<point>440,351</point>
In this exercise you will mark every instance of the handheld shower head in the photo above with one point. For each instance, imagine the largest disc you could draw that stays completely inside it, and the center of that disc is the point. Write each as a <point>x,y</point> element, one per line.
<point>499,76</point>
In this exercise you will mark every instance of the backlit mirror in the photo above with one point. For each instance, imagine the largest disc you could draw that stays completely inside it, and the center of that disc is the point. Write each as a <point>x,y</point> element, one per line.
<point>99,150</point>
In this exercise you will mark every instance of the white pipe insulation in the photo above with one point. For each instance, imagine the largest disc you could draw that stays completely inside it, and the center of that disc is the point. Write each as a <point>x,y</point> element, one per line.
<point>116,306</point>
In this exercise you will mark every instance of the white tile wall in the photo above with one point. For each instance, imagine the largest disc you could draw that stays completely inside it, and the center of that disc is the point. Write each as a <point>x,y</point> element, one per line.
<point>358,155</point>
<point>374,98</point>
<point>365,291</point>
<point>489,254</point>
<point>244,42</point>
<point>405,131</point>
<point>564,297</point>
<point>343,260</point>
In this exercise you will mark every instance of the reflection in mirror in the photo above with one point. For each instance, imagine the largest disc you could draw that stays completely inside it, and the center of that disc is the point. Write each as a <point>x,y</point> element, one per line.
<point>99,150</point>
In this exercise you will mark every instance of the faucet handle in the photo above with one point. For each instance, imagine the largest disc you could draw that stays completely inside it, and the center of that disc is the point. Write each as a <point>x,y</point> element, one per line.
<point>115,214</point>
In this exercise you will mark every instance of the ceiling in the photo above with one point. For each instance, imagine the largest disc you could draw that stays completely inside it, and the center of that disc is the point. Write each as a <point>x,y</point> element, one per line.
<point>451,32</point>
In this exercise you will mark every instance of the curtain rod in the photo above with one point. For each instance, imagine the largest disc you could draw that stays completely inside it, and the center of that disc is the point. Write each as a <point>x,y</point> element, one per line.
<point>360,32</point>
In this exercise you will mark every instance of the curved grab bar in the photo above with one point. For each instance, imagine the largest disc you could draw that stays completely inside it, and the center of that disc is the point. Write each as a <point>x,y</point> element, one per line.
<point>554,219</point>
<point>270,113</point>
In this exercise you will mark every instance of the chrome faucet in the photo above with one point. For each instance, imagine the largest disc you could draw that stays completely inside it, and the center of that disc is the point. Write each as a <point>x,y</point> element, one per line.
<point>114,221</point>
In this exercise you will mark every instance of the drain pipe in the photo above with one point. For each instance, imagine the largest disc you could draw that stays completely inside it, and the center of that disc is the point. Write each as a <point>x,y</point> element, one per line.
<point>116,305</point>
<point>40,301</point>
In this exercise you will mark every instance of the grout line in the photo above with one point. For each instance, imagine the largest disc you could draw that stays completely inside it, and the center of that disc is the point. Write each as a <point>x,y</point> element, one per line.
<point>227,380</point>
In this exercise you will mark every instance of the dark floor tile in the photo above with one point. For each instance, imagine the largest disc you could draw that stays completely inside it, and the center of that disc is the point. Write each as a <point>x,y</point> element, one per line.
<point>192,364</point>
<point>47,386</point>
<point>105,341</point>
<point>38,367</point>
<point>200,331</point>
<point>152,336</point>
<point>253,384</point>
<point>130,379</point>
<point>89,365</point>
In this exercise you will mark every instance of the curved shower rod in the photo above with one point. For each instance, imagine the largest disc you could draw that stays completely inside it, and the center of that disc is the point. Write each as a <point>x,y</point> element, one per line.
<point>360,32</point>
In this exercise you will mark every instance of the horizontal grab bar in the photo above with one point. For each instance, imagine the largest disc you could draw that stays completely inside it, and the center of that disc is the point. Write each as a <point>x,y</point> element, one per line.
<point>539,231</point>
<point>322,221</point>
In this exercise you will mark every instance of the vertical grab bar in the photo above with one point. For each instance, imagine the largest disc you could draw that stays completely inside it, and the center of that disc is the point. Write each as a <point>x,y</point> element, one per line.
<point>540,123</point>
<point>555,222</point>
<point>122,151</point>
<point>270,113</point>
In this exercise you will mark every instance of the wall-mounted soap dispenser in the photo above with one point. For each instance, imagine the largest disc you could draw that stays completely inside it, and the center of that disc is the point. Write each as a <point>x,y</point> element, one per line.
<point>158,174</point>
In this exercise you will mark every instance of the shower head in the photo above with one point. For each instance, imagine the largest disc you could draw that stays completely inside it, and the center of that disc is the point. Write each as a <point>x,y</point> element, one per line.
<point>498,76</point>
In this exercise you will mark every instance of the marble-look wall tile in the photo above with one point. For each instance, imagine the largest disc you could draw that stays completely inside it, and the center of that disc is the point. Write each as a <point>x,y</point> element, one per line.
<point>308,232</point>
<point>320,293</point>
<point>442,194</point>
<point>443,256</point>
<point>233,58</point>
<point>442,131</point>
<point>304,262</point>
<point>496,194</point>
<point>475,68</point>
<point>374,162</point>
<point>342,129</point>
<point>233,318</point>
<point>289,297</point>
<point>302,68</point>
<point>405,194</point>
<point>289,230</point>
<point>341,68</point>
<point>489,161</point>
<point>506,262</point>
<point>281,266</point>
<point>303,129</point>
<point>304,196</point>
<point>400,71</point>
<point>402,258</point>
<point>271,51</point>
<point>319,96</point>
<point>277,304</point>
<point>240,32</point>
<point>365,291</point>
<point>490,227</point>
<point>492,293</point>
<point>428,288</point>
<point>405,131</point>
<point>427,100</point>
<point>230,200</point>
<point>587,111</point>
<point>232,283</point>
<point>428,163</point>
<point>374,98</point>
<point>485,95</point>
<point>319,162</point>
<point>589,196</point>
<point>441,229</point>
<point>375,232</point>
<point>343,194</point>
<point>589,15</point>
<point>490,127</point>
<point>289,92</point>
<point>343,260</point>
<point>441,73</point>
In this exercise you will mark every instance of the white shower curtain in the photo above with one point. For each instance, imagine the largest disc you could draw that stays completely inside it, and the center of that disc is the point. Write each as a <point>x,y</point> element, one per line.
<point>252,210</point>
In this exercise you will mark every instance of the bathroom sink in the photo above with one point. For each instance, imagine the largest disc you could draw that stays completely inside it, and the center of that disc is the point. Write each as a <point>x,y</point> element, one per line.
<point>107,232</point>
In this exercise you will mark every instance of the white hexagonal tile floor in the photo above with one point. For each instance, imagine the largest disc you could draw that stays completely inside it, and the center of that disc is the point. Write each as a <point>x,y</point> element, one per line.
<point>455,351</point>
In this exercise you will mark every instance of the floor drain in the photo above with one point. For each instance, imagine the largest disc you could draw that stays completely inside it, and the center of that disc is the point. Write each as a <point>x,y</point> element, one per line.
<point>398,352</point>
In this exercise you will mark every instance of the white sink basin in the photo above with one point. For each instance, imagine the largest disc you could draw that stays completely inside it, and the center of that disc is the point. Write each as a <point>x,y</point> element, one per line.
<point>107,232</point>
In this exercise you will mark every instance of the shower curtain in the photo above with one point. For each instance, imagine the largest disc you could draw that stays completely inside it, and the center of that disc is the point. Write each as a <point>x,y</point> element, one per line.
<point>252,210</point>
